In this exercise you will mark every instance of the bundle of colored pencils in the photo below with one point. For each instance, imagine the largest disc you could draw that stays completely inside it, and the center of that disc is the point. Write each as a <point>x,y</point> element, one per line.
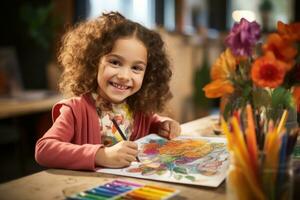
<point>259,173</point>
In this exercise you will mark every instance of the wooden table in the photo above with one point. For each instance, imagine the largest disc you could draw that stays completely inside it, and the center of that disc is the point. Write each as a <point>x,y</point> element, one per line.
<point>57,184</point>
<point>14,107</point>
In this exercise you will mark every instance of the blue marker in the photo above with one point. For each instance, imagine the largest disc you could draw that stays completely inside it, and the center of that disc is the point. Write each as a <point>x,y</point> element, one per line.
<point>101,189</point>
<point>100,193</point>
<point>90,196</point>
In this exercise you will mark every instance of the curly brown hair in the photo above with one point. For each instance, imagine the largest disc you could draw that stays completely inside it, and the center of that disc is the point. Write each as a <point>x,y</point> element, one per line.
<point>84,46</point>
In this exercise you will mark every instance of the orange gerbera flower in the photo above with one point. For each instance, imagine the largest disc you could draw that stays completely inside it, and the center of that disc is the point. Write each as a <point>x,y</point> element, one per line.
<point>267,71</point>
<point>282,49</point>
<point>289,31</point>
<point>221,71</point>
<point>218,88</point>
<point>296,94</point>
<point>224,66</point>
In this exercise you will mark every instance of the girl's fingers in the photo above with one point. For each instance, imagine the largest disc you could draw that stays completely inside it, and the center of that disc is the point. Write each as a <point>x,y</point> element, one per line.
<point>175,129</point>
<point>163,133</point>
<point>169,129</point>
<point>129,158</point>
<point>164,129</point>
<point>131,151</point>
<point>131,145</point>
<point>125,162</point>
<point>166,126</point>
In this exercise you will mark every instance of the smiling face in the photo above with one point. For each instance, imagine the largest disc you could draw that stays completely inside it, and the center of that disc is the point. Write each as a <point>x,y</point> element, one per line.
<point>121,71</point>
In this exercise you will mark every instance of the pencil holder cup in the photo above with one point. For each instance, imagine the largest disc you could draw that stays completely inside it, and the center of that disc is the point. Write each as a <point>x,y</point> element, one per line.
<point>272,183</point>
<point>238,185</point>
<point>278,183</point>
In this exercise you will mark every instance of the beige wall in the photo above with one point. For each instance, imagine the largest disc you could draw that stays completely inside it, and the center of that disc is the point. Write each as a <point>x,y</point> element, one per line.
<point>185,56</point>
<point>181,61</point>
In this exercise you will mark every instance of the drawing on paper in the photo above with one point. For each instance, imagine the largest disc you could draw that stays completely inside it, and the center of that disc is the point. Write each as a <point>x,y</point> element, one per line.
<point>189,160</point>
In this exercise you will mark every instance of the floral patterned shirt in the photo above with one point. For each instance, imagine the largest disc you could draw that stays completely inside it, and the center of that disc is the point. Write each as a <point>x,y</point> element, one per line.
<point>122,115</point>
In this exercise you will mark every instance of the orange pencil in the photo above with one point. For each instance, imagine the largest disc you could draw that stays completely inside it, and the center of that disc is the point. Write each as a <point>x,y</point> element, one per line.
<point>251,139</point>
<point>239,138</point>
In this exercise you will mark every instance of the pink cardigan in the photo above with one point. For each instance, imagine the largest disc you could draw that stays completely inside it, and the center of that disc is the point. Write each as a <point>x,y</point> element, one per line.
<point>74,138</point>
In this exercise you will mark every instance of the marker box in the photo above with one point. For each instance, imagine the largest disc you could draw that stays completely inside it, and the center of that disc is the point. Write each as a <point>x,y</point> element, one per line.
<point>120,189</point>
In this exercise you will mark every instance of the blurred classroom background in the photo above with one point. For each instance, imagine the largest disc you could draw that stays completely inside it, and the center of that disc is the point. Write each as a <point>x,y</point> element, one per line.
<point>193,30</point>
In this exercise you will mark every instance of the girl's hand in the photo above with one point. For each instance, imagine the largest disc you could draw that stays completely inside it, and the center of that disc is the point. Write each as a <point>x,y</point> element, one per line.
<point>119,155</point>
<point>169,129</point>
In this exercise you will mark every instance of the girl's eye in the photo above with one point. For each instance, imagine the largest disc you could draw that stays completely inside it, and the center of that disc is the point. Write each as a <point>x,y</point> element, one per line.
<point>115,62</point>
<point>137,68</point>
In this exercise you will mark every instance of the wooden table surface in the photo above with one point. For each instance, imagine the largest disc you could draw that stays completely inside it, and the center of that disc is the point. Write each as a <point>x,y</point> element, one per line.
<point>14,107</point>
<point>57,183</point>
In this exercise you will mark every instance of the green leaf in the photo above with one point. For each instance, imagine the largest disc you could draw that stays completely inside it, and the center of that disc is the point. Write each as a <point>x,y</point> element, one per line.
<point>161,172</point>
<point>282,99</point>
<point>246,91</point>
<point>191,178</point>
<point>227,110</point>
<point>261,98</point>
<point>167,159</point>
<point>177,176</point>
<point>148,171</point>
<point>180,170</point>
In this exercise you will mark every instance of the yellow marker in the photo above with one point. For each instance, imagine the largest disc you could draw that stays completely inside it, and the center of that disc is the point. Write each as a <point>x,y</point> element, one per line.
<point>155,191</point>
<point>160,188</point>
<point>146,194</point>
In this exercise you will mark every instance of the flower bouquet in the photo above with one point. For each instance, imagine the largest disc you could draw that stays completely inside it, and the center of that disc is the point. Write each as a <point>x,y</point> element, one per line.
<point>262,74</point>
<point>259,77</point>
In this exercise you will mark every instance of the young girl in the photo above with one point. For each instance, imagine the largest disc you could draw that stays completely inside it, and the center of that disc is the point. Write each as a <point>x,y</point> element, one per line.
<point>113,69</point>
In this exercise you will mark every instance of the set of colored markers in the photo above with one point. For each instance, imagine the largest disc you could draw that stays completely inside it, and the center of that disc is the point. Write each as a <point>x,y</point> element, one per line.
<point>119,189</point>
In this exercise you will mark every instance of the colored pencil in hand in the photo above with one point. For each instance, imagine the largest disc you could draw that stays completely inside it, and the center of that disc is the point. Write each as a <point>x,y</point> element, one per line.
<point>122,134</point>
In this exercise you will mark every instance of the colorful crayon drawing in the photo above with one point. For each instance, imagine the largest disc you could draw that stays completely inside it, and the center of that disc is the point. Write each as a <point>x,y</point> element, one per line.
<point>186,159</point>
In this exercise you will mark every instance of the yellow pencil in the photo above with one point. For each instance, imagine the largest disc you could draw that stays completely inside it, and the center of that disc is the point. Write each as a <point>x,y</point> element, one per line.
<point>227,133</point>
<point>240,142</point>
<point>249,175</point>
<point>282,121</point>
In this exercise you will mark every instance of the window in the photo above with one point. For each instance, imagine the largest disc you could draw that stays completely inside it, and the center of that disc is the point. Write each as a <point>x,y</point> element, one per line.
<point>279,10</point>
<point>141,11</point>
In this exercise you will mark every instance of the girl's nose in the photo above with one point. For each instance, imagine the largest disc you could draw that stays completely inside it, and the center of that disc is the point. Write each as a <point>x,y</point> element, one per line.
<point>123,73</point>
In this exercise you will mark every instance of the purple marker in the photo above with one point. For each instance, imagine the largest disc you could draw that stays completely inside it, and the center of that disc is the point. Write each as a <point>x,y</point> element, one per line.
<point>117,187</point>
<point>127,183</point>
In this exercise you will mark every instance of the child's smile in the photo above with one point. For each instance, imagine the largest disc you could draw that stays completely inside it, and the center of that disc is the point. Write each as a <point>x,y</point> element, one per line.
<point>119,86</point>
<point>121,72</point>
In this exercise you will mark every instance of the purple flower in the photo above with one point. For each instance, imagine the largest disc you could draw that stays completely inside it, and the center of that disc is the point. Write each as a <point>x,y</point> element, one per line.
<point>242,37</point>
